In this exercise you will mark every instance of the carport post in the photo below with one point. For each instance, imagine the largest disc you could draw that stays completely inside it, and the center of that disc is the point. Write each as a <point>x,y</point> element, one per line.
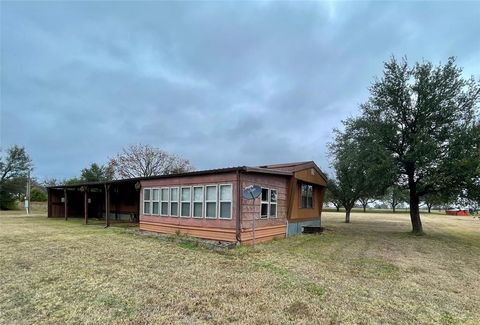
<point>85,204</point>
<point>107,205</point>
<point>65,199</point>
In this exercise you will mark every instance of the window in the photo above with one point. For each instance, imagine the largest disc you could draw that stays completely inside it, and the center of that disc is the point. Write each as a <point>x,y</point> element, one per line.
<point>307,196</point>
<point>185,197</point>
<point>273,203</point>
<point>198,201</point>
<point>225,201</point>
<point>269,203</point>
<point>174,201</point>
<point>147,203</point>
<point>264,208</point>
<point>164,201</point>
<point>211,201</point>
<point>155,201</point>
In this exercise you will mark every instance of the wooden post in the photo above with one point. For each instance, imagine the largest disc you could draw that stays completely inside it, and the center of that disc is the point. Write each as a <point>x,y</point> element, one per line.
<point>107,205</point>
<point>85,204</point>
<point>65,200</point>
<point>49,204</point>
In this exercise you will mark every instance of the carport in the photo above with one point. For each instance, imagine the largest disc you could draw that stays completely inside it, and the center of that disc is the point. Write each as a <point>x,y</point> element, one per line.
<point>120,198</point>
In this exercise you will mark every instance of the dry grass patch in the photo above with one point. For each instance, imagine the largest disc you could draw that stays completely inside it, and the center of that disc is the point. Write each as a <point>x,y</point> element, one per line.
<point>370,271</point>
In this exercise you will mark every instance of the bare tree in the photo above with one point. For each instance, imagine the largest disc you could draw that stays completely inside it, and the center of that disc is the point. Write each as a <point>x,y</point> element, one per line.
<point>143,161</point>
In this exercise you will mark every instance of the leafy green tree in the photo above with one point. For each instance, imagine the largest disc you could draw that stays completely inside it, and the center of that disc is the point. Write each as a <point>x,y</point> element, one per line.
<point>14,167</point>
<point>424,117</point>
<point>395,195</point>
<point>97,173</point>
<point>38,195</point>
<point>330,198</point>
<point>357,161</point>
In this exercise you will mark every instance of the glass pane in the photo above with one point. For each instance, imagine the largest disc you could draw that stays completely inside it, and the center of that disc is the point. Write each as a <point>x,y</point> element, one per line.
<point>304,201</point>
<point>146,207</point>
<point>197,209</point>
<point>225,210</point>
<point>273,196</point>
<point>174,209</point>
<point>198,194</point>
<point>146,194</point>
<point>273,210</point>
<point>164,194</point>
<point>186,194</point>
<point>211,193</point>
<point>165,208</point>
<point>174,194</point>
<point>155,208</point>
<point>211,210</point>
<point>264,210</point>
<point>225,192</point>
<point>304,190</point>
<point>264,194</point>
<point>155,195</point>
<point>310,190</point>
<point>309,202</point>
<point>185,209</point>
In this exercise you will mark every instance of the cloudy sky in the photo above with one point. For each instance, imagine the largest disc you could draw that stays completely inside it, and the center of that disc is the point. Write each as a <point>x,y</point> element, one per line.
<point>219,83</point>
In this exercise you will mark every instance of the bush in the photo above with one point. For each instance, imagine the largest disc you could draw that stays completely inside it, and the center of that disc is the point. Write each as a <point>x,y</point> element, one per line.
<point>37,195</point>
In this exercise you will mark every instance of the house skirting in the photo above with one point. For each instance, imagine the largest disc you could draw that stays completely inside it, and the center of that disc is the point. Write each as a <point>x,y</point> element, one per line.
<point>296,227</point>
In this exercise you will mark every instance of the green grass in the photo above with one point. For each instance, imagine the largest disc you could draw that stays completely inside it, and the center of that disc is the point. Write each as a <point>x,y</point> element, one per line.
<point>369,271</point>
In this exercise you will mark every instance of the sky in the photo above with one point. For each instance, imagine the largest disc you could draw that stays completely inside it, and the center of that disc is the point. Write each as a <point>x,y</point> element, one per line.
<point>219,83</point>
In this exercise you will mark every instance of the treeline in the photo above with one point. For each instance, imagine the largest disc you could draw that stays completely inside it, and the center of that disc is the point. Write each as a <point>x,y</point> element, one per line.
<point>417,139</point>
<point>16,169</point>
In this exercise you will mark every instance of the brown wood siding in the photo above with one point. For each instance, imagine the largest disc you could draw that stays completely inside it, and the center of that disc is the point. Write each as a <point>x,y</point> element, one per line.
<point>263,234</point>
<point>298,213</point>
<point>307,176</point>
<point>250,208</point>
<point>221,234</point>
<point>170,224</point>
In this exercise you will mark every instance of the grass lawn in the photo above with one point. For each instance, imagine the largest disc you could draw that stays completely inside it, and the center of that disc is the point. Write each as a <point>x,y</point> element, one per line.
<point>369,271</point>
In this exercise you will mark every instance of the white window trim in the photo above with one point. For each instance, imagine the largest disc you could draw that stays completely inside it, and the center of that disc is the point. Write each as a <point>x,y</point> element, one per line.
<point>269,203</point>
<point>161,201</point>
<point>181,202</point>
<point>220,201</point>
<point>211,201</point>
<point>202,201</point>
<point>170,202</point>
<point>153,200</point>
<point>274,203</point>
<point>150,201</point>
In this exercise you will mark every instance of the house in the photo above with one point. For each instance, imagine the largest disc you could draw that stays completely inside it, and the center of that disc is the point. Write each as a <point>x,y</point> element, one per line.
<point>206,204</point>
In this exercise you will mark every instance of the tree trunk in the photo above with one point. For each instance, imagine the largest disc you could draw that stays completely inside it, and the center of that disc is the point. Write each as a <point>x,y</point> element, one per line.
<point>338,208</point>
<point>429,208</point>
<point>393,208</point>
<point>347,215</point>
<point>364,208</point>
<point>417,228</point>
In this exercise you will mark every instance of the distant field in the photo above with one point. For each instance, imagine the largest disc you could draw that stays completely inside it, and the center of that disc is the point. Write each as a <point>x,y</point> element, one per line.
<point>369,271</point>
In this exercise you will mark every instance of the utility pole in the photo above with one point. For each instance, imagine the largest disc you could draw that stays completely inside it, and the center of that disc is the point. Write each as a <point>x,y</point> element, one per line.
<point>27,194</point>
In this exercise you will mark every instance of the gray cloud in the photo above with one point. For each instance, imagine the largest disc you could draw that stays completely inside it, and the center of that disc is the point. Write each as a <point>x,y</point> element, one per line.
<point>219,83</point>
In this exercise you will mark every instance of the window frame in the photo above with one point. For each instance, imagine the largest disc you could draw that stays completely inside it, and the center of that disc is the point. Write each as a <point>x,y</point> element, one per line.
<point>301,196</point>
<point>152,199</point>
<point>148,201</point>
<point>211,201</point>
<point>161,201</point>
<point>219,200</point>
<point>270,204</point>
<point>182,202</point>
<point>170,202</point>
<point>194,201</point>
